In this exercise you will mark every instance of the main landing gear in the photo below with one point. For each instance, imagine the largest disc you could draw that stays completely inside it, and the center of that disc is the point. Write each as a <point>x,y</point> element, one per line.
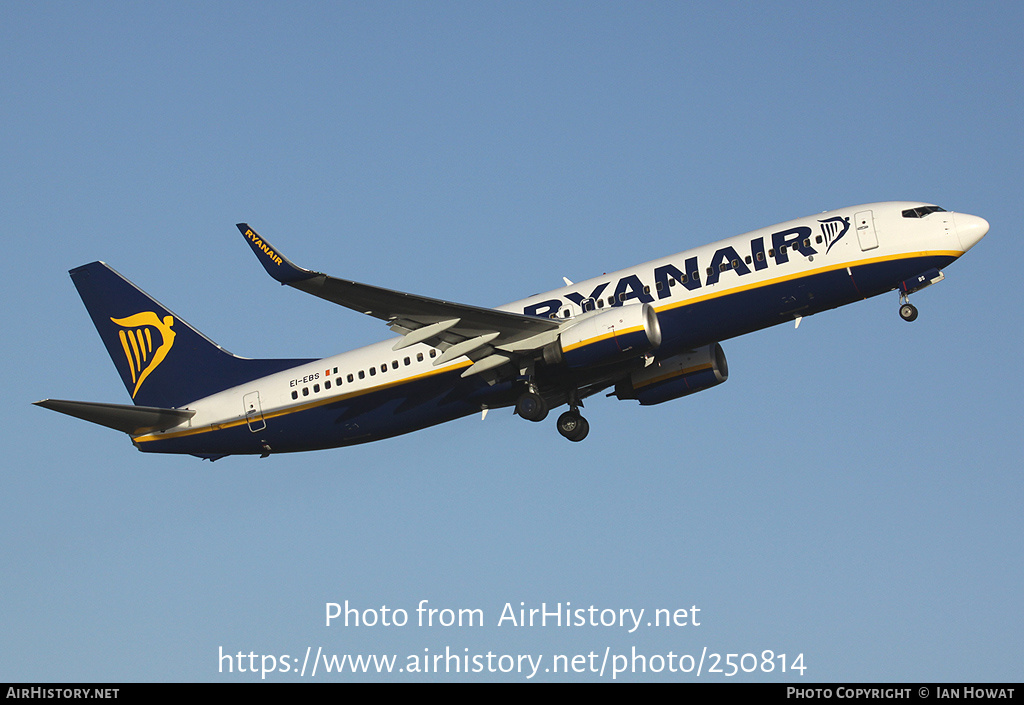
<point>573,426</point>
<point>532,407</point>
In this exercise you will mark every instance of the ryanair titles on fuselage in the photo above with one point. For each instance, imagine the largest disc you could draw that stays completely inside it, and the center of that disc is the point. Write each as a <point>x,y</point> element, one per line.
<point>725,259</point>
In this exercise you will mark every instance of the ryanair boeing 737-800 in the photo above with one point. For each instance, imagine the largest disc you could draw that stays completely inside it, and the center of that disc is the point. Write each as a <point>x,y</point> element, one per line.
<point>649,333</point>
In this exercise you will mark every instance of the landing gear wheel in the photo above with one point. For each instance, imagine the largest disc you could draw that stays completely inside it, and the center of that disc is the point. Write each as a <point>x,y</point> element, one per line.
<point>573,426</point>
<point>908,312</point>
<point>531,406</point>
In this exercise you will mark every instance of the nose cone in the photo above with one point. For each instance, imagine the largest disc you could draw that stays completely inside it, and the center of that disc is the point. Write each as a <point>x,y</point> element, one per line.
<point>970,229</point>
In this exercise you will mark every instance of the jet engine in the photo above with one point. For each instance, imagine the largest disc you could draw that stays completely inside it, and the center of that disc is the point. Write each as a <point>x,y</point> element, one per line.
<point>676,376</point>
<point>609,336</point>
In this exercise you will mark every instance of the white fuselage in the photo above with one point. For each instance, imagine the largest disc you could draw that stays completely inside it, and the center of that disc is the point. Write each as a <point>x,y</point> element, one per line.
<point>835,242</point>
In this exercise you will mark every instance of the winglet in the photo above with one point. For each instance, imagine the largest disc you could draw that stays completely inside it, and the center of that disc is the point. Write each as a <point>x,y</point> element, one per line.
<point>277,265</point>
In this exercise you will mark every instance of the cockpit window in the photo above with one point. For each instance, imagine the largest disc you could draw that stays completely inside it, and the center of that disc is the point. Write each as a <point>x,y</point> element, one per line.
<point>922,211</point>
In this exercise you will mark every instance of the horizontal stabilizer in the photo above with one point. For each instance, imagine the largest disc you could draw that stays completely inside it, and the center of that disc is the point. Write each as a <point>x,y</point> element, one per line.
<point>121,417</point>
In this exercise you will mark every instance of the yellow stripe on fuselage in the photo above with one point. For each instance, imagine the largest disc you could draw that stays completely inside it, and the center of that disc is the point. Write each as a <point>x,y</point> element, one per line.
<point>724,291</point>
<point>297,408</point>
<point>806,273</point>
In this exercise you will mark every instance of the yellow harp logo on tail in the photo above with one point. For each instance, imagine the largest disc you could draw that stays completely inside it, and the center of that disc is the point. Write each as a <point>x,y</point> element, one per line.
<point>137,340</point>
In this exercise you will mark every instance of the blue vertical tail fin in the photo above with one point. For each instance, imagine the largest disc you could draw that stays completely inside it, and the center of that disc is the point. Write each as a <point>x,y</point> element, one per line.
<point>163,361</point>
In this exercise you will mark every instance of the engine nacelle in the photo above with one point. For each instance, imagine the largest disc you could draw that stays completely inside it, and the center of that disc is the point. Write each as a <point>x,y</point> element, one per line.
<point>611,336</point>
<point>676,376</point>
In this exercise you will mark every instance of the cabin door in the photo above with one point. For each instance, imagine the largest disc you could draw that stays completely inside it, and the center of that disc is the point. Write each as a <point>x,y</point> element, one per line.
<point>253,412</point>
<point>865,224</point>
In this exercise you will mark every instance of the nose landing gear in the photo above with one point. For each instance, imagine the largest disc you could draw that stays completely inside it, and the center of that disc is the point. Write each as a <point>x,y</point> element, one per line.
<point>908,311</point>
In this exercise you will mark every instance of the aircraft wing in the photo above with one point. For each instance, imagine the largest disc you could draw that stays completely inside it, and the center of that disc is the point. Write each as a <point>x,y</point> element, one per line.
<point>487,336</point>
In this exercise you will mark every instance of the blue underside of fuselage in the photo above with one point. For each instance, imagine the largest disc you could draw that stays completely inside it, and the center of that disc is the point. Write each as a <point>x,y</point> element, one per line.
<point>435,399</point>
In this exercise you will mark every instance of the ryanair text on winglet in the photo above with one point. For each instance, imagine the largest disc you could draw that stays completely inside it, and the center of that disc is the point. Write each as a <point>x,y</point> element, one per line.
<point>262,245</point>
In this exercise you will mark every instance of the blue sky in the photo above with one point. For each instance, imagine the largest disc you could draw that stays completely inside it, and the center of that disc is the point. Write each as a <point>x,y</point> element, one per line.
<point>852,493</point>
